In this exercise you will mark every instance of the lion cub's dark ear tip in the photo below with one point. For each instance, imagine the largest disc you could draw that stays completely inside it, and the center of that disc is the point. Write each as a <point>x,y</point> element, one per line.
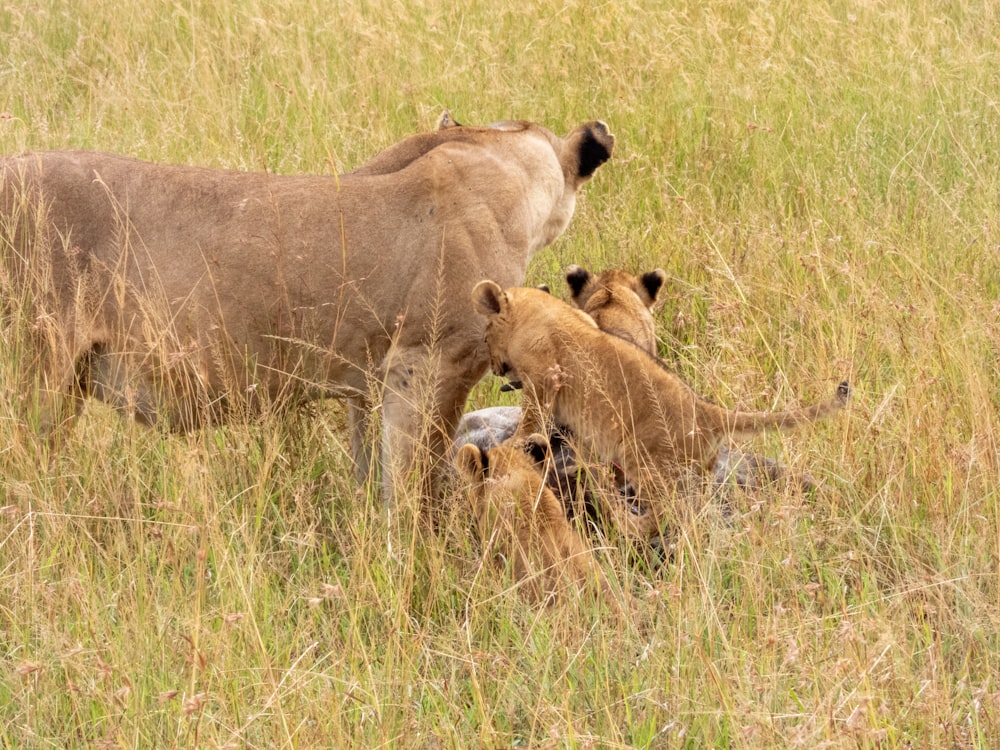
<point>576,277</point>
<point>470,461</point>
<point>486,297</point>
<point>544,288</point>
<point>653,281</point>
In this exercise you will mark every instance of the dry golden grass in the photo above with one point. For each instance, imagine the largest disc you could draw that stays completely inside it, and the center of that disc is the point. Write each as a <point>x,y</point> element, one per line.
<point>819,180</point>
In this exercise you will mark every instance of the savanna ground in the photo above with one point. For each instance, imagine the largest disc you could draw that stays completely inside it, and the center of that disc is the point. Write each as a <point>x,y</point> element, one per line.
<point>820,182</point>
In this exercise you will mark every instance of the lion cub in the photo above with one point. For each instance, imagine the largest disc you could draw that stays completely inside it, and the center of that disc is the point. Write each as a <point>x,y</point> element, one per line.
<point>620,303</point>
<point>520,521</point>
<point>619,401</point>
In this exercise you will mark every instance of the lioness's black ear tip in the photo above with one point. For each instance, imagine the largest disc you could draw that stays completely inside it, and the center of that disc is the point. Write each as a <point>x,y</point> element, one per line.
<point>844,391</point>
<point>595,148</point>
<point>577,278</point>
<point>544,288</point>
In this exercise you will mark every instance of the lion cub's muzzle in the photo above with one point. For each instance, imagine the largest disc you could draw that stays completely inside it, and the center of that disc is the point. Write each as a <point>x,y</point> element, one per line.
<point>503,369</point>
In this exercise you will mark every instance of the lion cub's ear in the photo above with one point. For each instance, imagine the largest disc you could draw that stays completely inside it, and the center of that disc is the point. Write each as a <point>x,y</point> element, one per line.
<point>537,446</point>
<point>544,288</point>
<point>577,278</point>
<point>471,463</point>
<point>488,298</point>
<point>652,282</point>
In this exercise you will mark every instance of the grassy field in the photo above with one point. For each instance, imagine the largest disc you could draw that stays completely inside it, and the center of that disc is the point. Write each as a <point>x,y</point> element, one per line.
<point>821,182</point>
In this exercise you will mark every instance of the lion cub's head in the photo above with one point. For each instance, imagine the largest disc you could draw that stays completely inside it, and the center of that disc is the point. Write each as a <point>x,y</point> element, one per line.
<point>521,522</point>
<point>514,316</point>
<point>621,304</point>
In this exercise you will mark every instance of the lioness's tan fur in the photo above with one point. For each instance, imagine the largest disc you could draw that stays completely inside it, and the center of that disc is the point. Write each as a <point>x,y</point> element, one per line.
<point>620,402</point>
<point>521,522</point>
<point>188,294</point>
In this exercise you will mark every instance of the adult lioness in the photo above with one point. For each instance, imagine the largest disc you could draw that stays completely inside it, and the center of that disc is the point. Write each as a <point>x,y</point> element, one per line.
<point>188,294</point>
<point>619,401</point>
<point>520,521</point>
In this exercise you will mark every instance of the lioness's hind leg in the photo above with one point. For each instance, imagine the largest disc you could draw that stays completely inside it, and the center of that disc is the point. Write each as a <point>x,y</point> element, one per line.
<point>55,409</point>
<point>51,396</point>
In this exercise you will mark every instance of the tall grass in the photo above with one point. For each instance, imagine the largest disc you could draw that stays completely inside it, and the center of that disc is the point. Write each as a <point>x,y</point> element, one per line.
<point>819,180</point>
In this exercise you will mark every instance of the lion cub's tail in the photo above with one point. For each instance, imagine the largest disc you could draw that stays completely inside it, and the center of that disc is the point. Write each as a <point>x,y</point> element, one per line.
<point>746,423</point>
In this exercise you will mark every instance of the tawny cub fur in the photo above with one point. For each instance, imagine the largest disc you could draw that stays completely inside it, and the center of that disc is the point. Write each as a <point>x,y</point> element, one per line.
<point>620,402</point>
<point>521,522</point>
<point>619,302</point>
<point>622,304</point>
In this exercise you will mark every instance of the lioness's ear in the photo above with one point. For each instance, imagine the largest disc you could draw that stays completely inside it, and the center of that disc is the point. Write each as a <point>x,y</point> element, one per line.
<point>577,279</point>
<point>488,298</point>
<point>470,463</point>
<point>446,121</point>
<point>537,446</point>
<point>652,282</point>
<point>593,144</point>
<point>544,288</point>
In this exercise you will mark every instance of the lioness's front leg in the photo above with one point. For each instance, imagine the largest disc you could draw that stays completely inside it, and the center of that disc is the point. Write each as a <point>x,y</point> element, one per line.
<point>362,433</point>
<point>422,403</point>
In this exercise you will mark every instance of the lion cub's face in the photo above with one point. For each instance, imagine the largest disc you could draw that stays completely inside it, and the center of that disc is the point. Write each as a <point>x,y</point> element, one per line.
<point>620,303</point>
<point>518,322</point>
<point>520,521</point>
